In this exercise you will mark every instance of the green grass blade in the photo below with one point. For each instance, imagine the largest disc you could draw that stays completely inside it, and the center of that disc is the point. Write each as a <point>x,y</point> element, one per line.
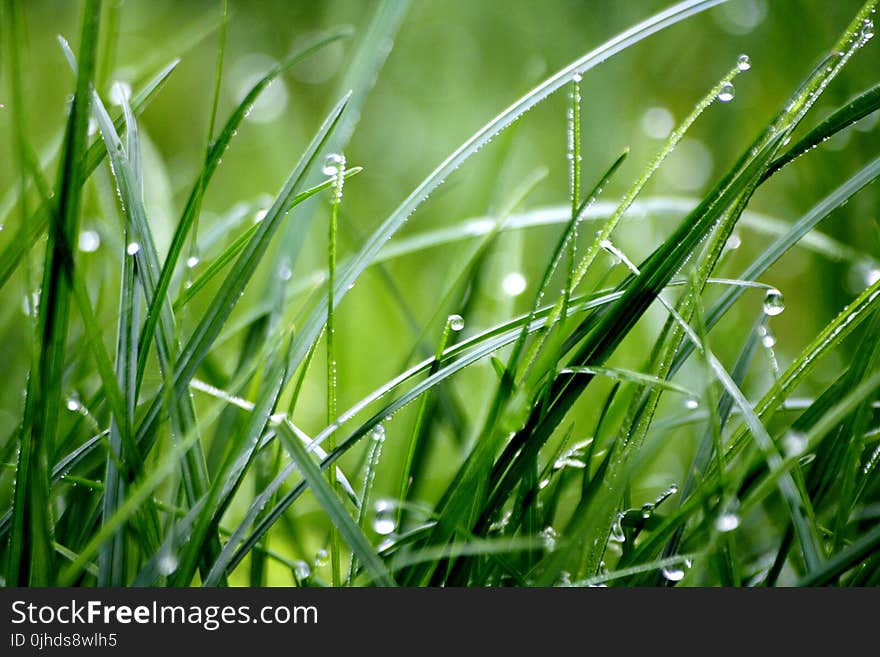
<point>332,505</point>
<point>30,559</point>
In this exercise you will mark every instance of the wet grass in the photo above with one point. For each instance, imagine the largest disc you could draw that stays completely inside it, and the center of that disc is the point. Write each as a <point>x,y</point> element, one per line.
<point>177,457</point>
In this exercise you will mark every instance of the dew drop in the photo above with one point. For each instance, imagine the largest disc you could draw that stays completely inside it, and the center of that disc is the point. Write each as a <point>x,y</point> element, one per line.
<point>733,242</point>
<point>548,537</point>
<point>647,510</point>
<point>456,322</point>
<point>167,563</point>
<point>564,579</point>
<point>322,558</point>
<point>193,261</point>
<point>73,405</point>
<point>120,92</point>
<point>673,573</point>
<point>767,337</point>
<point>774,303</point>
<point>333,164</point>
<point>377,433</point>
<point>577,77</point>
<point>132,248</point>
<point>867,29</point>
<point>513,284</point>
<point>743,63</point>
<point>89,241</point>
<point>384,521</point>
<point>727,92</point>
<point>691,404</point>
<point>727,522</point>
<point>301,570</point>
<point>617,535</point>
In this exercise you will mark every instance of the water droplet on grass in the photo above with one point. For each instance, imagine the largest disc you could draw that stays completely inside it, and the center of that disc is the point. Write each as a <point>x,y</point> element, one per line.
<point>647,510</point>
<point>301,570</point>
<point>673,573</point>
<point>384,521</point>
<point>727,522</point>
<point>167,563</point>
<point>333,164</point>
<point>727,92</point>
<point>322,558</point>
<point>132,248</point>
<point>73,405</point>
<point>617,535</point>
<point>767,337</point>
<point>456,322</point>
<point>120,92</point>
<point>377,433</point>
<point>743,63</point>
<point>774,302</point>
<point>691,404</point>
<point>193,261</point>
<point>548,537</point>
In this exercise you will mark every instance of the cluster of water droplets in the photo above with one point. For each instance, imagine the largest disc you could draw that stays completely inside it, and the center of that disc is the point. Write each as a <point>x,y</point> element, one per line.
<point>334,168</point>
<point>549,538</point>
<point>574,109</point>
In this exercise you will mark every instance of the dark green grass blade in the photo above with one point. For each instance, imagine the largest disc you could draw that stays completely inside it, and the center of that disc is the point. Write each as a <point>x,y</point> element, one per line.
<point>30,549</point>
<point>858,108</point>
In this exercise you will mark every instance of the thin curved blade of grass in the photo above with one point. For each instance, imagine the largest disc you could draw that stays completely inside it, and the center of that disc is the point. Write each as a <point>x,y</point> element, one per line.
<point>629,376</point>
<point>13,253</point>
<point>858,108</point>
<point>655,206</point>
<point>648,567</point>
<point>30,553</point>
<point>112,560</point>
<point>193,204</point>
<point>314,325</point>
<point>334,508</point>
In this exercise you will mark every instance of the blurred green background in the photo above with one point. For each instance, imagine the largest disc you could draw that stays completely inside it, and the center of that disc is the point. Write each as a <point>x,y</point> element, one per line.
<point>454,65</point>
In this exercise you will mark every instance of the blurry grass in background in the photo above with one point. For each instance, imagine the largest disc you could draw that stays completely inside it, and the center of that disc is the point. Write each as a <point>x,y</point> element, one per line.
<point>453,65</point>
